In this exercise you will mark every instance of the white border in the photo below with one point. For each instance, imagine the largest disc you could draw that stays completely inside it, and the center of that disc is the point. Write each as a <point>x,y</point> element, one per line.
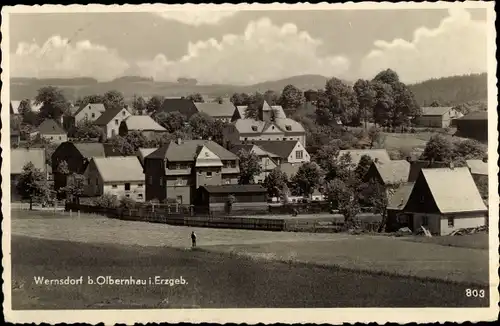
<point>253,316</point>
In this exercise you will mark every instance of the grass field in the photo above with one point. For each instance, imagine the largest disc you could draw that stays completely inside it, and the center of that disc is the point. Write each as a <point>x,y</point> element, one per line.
<point>233,268</point>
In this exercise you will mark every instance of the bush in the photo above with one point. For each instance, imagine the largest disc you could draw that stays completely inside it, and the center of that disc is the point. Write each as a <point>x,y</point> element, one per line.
<point>128,203</point>
<point>106,201</point>
<point>412,130</point>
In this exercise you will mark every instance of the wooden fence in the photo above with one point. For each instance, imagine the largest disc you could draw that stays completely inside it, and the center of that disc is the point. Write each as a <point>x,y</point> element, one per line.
<point>182,217</point>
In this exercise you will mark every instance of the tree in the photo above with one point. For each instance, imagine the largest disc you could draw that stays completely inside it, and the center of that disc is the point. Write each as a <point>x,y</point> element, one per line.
<point>107,200</point>
<point>377,139</point>
<point>291,97</point>
<point>366,94</point>
<point>388,76</point>
<point>113,100</point>
<point>344,199</point>
<point>32,184</point>
<point>216,131</point>
<point>200,124</point>
<point>139,105</point>
<point>75,187</point>
<point>308,177</point>
<point>435,104</point>
<point>341,100</point>
<point>25,111</point>
<point>89,99</point>
<point>275,182</point>
<point>384,103</point>
<point>84,129</point>
<point>196,97</point>
<point>219,100</point>
<point>272,97</point>
<point>121,144</point>
<point>364,164</point>
<point>127,203</point>
<point>53,102</point>
<point>154,104</point>
<point>239,99</point>
<point>470,149</point>
<point>438,148</point>
<point>172,121</point>
<point>249,166</point>
<point>256,101</point>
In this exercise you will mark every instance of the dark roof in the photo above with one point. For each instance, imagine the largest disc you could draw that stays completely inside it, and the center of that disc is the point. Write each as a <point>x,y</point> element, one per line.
<point>223,189</point>
<point>477,115</point>
<point>282,148</point>
<point>188,150</point>
<point>184,106</point>
<point>89,150</point>
<point>238,147</point>
<point>107,116</point>
<point>50,127</point>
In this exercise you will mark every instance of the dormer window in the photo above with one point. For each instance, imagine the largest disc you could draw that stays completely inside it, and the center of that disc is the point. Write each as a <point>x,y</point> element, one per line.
<point>288,128</point>
<point>254,128</point>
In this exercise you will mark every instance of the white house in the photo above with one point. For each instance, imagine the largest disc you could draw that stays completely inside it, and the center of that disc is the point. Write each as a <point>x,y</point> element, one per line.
<point>110,121</point>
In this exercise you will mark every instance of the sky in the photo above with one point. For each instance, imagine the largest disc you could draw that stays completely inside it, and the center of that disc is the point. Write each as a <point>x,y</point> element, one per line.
<point>247,47</point>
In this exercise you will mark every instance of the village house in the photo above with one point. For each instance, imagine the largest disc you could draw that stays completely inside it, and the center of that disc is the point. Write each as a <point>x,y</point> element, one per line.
<point>285,151</point>
<point>266,159</point>
<point>380,155</point>
<point>121,176</point>
<point>51,131</point>
<point>19,157</point>
<point>184,106</point>
<point>473,125</point>
<point>91,112</point>
<point>77,156</point>
<point>443,200</point>
<point>110,121</point>
<point>143,152</point>
<point>388,173</point>
<point>246,198</point>
<point>143,124</point>
<point>479,172</point>
<point>176,170</point>
<point>272,124</point>
<point>218,111</point>
<point>437,117</point>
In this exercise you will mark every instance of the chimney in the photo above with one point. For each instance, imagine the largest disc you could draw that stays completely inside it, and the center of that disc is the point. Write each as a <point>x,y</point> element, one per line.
<point>485,159</point>
<point>179,141</point>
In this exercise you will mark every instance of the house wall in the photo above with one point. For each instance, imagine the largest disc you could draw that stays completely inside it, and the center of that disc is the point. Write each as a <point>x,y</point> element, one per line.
<point>89,112</point>
<point>477,129</point>
<point>231,179</point>
<point>154,179</point>
<point>433,222</point>
<point>203,177</point>
<point>56,139</point>
<point>293,158</point>
<point>462,221</point>
<point>181,194</point>
<point>113,127</point>
<point>435,121</point>
<point>136,191</point>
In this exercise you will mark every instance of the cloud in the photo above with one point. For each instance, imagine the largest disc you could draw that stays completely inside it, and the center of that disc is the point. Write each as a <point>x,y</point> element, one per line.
<point>197,17</point>
<point>457,46</point>
<point>59,57</point>
<point>263,52</point>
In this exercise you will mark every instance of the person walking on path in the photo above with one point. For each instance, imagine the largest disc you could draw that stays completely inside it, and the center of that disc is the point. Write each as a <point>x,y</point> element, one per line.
<point>193,239</point>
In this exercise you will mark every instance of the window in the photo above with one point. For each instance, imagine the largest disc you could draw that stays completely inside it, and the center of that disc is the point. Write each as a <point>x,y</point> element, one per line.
<point>284,138</point>
<point>227,181</point>
<point>178,166</point>
<point>299,155</point>
<point>114,186</point>
<point>178,182</point>
<point>93,115</point>
<point>254,128</point>
<point>139,185</point>
<point>150,180</point>
<point>422,199</point>
<point>88,181</point>
<point>451,221</point>
<point>139,196</point>
<point>127,186</point>
<point>51,137</point>
<point>161,181</point>
<point>127,195</point>
<point>425,220</point>
<point>288,128</point>
<point>209,174</point>
<point>246,138</point>
<point>116,122</point>
<point>60,138</point>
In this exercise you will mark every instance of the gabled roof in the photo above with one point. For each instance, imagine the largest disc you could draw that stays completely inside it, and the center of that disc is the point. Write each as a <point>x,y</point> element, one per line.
<point>14,107</point>
<point>119,168</point>
<point>280,112</point>
<point>222,189</point>
<point>478,167</point>
<point>50,127</point>
<point>107,116</point>
<point>289,125</point>
<point>432,110</point>
<point>182,105</point>
<point>399,199</point>
<point>89,150</point>
<point>281,148</point>
<point>476,115</point>
<point>143,152</point>
<point>241,110</point>
<point>259,151</point>
<point>188,150</point>
<point>380,154</point>
<point>142,122</point>
<point>99,107</point>
<point>393,172</point>
<point>453,190</point>
<point>225,110</point>
<point>20,156</point>
<point>249,126</point>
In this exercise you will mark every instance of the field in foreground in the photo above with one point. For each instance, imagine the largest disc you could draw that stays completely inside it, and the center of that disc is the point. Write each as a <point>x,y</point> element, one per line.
<point>214,280</point>
<point>379,254</point>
